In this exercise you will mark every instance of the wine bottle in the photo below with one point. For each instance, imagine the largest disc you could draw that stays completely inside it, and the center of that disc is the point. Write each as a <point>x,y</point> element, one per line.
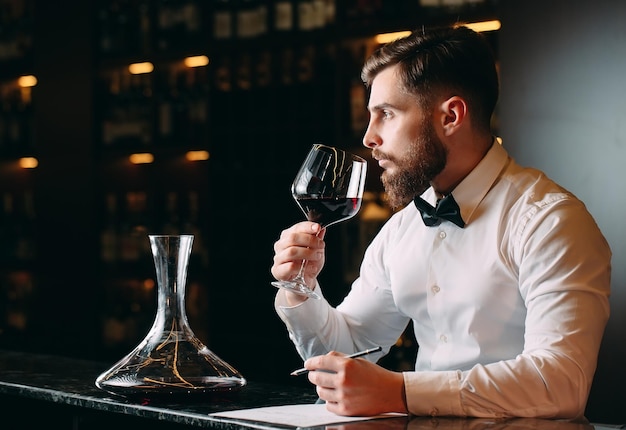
<point>283,16</point>
<point>223,20</point>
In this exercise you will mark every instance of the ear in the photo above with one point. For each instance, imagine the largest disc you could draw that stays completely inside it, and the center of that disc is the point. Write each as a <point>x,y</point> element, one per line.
<point>454,112</point>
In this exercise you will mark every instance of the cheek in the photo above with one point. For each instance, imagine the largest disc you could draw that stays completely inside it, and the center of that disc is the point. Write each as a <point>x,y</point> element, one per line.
<point>399,135</point>
<point>402,144</point>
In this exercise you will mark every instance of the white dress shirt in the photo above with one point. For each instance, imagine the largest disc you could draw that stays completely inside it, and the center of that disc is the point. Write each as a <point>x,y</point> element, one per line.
<point>508,312</point>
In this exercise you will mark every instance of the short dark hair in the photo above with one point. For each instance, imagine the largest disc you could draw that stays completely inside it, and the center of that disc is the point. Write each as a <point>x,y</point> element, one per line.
<point>455,60</point>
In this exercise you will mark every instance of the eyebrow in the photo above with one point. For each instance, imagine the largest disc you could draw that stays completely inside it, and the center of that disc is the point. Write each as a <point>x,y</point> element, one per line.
<point>381,106</point>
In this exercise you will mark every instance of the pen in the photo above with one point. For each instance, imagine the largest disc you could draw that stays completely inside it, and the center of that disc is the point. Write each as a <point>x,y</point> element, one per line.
<point>355,355</point>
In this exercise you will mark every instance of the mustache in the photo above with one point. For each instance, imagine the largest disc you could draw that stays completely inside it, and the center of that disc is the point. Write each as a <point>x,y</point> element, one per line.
<point>379,155</point>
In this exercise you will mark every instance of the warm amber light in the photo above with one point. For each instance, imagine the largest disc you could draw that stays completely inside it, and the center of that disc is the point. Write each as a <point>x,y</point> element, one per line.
<point>28,162</point>
<point>197,61</point>
<point>197,155</point>
<point>390,37</point>
<point>27,81</point>
<point>481,26</point>
<point>148,284</point>
<point>141,158</point>
<point>139,68</point>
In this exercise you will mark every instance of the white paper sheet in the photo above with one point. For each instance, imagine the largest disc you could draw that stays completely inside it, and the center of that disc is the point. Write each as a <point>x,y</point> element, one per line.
<point>309,415</point>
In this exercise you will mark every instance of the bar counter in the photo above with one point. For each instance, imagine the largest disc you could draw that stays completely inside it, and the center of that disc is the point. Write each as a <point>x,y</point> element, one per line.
<point>49,392</point>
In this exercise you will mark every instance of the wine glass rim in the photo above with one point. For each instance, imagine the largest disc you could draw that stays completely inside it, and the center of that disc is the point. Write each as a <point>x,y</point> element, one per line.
<point>170,235</point>
<point>353,156</point>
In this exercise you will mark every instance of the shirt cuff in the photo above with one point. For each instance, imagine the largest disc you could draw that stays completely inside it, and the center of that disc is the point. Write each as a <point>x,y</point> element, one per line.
<point>304,319</point>
<point>433,393</point>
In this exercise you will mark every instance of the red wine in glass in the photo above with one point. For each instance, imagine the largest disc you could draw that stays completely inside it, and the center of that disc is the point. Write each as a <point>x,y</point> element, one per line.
<point>328,211</point>
<point>328,189</point>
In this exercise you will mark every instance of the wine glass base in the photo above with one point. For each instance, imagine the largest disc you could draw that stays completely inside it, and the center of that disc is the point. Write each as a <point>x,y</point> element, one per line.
<point>297,287</point>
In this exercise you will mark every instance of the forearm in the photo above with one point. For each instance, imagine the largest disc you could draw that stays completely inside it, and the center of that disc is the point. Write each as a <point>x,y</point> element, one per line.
<point>311,327</point>
<point>528,386</point>
<point>363,320</point>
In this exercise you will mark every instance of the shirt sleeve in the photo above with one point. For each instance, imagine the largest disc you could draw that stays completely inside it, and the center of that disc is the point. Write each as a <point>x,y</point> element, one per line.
<point>306,322</point>
<point>564,279</point>
<point>366,318</point>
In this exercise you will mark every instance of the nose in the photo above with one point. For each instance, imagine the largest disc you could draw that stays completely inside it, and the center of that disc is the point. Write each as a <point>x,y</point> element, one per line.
<point>371,138</point>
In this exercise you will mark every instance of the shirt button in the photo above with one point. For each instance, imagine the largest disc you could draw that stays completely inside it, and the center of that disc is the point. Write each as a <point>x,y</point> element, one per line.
<point>436,289</point>
<point>442,235</point>
<point>443,338</point>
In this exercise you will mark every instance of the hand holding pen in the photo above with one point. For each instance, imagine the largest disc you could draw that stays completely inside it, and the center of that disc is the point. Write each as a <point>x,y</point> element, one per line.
<point>356,387</point>
<point>303,370</point>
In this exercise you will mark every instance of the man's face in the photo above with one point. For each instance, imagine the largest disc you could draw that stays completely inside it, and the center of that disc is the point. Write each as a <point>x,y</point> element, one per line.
<point>403,140</point>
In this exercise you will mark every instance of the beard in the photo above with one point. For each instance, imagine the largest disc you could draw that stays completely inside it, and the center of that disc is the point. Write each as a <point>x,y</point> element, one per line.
<point>425,158</point>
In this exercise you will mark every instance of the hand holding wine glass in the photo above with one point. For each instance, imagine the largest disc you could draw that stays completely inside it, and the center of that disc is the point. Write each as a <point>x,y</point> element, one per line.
<point>328,188</point>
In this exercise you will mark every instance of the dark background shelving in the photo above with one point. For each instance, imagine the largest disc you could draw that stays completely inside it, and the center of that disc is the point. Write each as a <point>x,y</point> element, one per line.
<point>81,285</point>
<point>86,287</point>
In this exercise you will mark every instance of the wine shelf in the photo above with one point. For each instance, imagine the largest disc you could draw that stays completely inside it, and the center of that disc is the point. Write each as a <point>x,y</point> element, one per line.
<point>281,75</point>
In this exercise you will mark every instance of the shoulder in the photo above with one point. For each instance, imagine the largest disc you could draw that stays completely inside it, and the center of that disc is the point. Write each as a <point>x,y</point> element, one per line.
<point>544,213</point>
<point>533,193</point>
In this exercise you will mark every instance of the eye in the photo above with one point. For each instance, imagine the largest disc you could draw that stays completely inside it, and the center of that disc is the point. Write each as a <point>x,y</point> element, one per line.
<point>387,114</point>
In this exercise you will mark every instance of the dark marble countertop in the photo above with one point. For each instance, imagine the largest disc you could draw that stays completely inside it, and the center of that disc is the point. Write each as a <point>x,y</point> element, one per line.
<point>71,382</point>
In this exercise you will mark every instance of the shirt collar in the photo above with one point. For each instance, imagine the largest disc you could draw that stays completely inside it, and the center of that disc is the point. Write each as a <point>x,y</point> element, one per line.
<point>475,186</point>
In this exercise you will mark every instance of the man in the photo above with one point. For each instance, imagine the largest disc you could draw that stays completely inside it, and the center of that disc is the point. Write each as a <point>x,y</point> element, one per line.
<point>509,301</point>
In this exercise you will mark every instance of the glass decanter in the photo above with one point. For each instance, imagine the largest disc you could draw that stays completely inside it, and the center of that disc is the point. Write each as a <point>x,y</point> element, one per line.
<point>170,360</point>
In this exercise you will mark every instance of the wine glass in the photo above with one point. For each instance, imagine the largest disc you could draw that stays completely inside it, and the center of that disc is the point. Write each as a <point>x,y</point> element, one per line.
<point>328,189</point>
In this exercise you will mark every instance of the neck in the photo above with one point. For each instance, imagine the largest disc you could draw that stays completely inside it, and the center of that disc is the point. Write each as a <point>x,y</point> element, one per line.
<point>463,157</point>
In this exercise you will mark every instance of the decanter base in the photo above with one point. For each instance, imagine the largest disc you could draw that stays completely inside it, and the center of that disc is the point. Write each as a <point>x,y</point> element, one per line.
<point>172,390</point>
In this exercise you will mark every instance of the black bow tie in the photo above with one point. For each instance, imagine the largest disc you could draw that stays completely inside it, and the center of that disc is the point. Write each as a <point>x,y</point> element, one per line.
<point>447,208</point>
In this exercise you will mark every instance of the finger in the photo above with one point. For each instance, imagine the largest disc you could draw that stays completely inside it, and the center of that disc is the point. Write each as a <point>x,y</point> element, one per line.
<point>287,262</point>
<point>309,227</point>
<point>293,237</point>
<point>330,362</point>
<point>325,394</point>
<point>284,270</point>
<point>304,227</point>
<point>295,254</point>
<point>296,244</point>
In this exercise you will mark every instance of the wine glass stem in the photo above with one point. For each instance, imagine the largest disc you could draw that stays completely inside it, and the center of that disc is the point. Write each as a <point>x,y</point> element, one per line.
<point>300,276</point>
